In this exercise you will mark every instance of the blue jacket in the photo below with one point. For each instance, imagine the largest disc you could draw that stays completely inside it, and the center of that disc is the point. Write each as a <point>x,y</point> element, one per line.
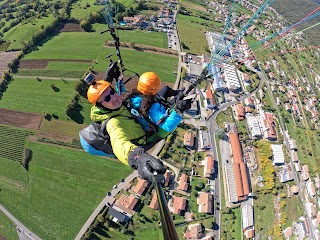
<point>156,112</point>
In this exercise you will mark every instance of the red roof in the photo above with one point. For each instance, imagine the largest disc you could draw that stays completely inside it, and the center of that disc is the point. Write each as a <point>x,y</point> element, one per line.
<point>209,167</point>
<point>236,147</point>
<point>140,186</point>
<point>205,202</point>
<point>179,204</point>
<point>183,182</point>
<point>128,202</point>
<point>154,201</point>
<point>188,139</point>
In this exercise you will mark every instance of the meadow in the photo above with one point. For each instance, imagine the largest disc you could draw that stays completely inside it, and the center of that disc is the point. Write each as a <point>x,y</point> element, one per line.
<point>23,32</point>
<point>142,62</point>
<point>7,228</point>
<point>31,95</point>
<point>61,189</point>
<point>188,29</point>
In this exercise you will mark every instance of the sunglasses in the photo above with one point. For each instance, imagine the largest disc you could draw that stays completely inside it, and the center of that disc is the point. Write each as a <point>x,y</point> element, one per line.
<point>108,97</point>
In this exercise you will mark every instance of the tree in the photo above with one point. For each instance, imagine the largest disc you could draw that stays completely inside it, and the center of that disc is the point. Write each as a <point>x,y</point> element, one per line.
<point>220,133</point>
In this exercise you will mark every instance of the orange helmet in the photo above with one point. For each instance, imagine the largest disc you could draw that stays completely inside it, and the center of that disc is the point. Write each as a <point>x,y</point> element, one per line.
<point>149,83</point>
<point>96,89</point>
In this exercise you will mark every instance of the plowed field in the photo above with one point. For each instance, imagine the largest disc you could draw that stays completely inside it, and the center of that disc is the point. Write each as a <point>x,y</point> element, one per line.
<point>20,119</point>
<point>6,57</point>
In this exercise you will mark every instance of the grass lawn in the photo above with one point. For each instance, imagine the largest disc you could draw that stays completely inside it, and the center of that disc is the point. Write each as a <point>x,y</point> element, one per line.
<point>293,210</point>
<point>264,217</point>
<point>193,200</point>
<point>142,62</point>
<point>224,116</point>
<point>71,45</point>
<point>30,95</point>
<point>156,39</point>
<point>187,31</point>
<point>60,190</point>
<point>23,32</point>
<point>7,228</point>
<point>62,128</point>
<point>80,11</point>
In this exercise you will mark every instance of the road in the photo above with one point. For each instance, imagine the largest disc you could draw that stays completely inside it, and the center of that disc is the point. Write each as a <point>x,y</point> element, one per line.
<point>23,232</point>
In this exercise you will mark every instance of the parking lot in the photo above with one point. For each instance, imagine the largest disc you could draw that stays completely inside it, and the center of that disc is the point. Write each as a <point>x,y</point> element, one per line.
<point>172,39</point>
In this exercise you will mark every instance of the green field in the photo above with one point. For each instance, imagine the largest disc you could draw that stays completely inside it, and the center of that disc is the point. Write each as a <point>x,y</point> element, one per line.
<point>62,128</point>
<point>156,39</point>
<point>70,45</point>
<point>37,96</point>
<point>80,11</point>
<point>7,228</point>
<point>142,62</point>
<point>12,142</point>
<point>60,190</point>
<point>23,32</point>
<point>188,28</point>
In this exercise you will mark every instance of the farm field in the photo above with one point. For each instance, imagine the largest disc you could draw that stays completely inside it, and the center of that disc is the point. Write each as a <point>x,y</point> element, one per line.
<point>7,228</point>
<point>81,10</point>
<point>61,188</point>
<point>23,32</point>
<point>12,142</point>
<point>188,28</point>
<point>38,96</point>
<point>6,58</point>
<point>142,62</point>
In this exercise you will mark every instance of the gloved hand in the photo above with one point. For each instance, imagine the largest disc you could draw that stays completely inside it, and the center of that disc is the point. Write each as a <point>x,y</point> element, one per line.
<point>146,165</point>
<point>113,72</point>
<point>180,104</point>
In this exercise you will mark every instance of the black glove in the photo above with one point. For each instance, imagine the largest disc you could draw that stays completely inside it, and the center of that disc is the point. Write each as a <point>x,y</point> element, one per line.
<point>146,165</point>
<point>113,72</point>
<point>180,104</point>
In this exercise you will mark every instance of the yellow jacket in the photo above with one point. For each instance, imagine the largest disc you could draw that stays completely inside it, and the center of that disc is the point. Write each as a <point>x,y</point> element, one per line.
<point>122,130</point>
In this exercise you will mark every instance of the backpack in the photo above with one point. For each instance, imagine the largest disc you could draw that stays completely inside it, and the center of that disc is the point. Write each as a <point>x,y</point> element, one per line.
<point>95,140</point>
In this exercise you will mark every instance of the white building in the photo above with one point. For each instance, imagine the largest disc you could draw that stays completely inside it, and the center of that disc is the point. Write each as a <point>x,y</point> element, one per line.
<point>277,153</point>
<point>254,126</point>
<point>231,78</point>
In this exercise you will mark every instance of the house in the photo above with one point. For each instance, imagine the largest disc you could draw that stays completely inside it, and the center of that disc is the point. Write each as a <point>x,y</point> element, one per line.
<point>128,202</point>
<point>140,187</point>
<point>294,189</point>
<point>208,170</point>
<point>287,233</point>
<point>287,107</point>
<point>310,188</point>
<point>205,202</point>
<point>179,205</point>
<point>205,140</point>
<point>195,231</point>
<point>154,201</point>
<point>188,139</point>
<point>183,182</point>
<point>305,172</point>
<point>292,144</point>
<point>117,216</point>
<point>282,89</point>
<point>239,111</point>
<point>277,154</point>
<point>249,102</point>
<point>269,127</point>
<point>210,100</point>
<point>294,156</point>
<point>247,220</point>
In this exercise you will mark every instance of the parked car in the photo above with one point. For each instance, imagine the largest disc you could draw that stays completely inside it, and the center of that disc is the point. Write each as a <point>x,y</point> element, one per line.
<point>109,193</point>
<point>115,186</point>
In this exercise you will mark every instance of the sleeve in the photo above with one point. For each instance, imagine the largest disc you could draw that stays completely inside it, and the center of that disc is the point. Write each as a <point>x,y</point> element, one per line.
<point>120,140</point>
<point>170,121</point>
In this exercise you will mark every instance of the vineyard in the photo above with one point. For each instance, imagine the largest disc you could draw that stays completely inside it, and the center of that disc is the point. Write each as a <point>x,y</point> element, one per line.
<point>6,58</point>
<point>12,142</point>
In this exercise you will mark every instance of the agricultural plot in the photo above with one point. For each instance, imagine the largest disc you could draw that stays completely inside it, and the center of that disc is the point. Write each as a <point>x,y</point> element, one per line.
<point>61,188</point>
<point>6,58</point>
<point>20,119</point>
<point>23,32</point>
<point>142,62</point>
<point>81,9</point>
<point>12,142</point>
<point>39,96</point>
<point>188,28</point>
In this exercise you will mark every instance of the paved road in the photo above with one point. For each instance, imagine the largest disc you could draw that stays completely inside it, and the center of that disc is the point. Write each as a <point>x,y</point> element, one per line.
<point>23,232</point>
